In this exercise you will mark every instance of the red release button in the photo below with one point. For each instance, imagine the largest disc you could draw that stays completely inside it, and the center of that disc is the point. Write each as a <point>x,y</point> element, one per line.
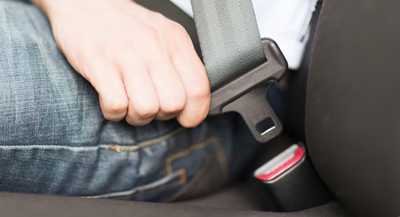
<point>280,164</point>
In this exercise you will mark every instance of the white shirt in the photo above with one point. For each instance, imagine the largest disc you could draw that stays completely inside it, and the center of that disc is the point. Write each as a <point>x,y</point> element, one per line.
<point>287,22</point>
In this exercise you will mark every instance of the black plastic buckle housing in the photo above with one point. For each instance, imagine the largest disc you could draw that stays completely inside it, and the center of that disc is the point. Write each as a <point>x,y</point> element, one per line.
<point>247,95</point>
<point>288,182</point>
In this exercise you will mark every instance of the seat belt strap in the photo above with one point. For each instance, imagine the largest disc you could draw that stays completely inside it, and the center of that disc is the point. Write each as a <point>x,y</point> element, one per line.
<point>229,38</point>
<point>238,63</point>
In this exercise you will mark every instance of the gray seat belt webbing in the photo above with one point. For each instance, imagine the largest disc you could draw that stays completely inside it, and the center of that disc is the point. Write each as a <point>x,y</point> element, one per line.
<point>238,63</point>
<point>229,38</point>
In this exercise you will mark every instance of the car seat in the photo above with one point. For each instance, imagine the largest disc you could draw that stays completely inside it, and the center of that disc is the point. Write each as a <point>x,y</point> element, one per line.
<point>345,94</point>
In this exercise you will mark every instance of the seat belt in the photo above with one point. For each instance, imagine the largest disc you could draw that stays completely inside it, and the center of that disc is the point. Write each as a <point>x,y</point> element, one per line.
<point>239,63</point>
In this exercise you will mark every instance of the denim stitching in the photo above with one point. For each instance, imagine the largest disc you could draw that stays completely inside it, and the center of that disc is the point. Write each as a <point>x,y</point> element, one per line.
<point>219,154</point>
<point>169,161</point>
<point>137,189</point>
<point>114,148</point>
<point>145,144</point>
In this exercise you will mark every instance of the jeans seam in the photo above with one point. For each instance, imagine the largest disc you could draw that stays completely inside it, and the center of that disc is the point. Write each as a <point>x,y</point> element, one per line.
<point>110,147</point>
<point>146,143</point>
<point>160,182</point>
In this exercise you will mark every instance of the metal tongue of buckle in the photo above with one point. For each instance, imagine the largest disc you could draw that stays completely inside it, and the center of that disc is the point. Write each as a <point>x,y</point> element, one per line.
<point>247,95</point>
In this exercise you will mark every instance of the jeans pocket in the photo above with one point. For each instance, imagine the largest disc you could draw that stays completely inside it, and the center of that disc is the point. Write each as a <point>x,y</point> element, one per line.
<point>188,172</point>
<point>157,191</point>
<point>210,175</point>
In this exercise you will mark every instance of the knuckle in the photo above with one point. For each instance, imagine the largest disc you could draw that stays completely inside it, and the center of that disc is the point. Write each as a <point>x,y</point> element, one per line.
<point>125,57</point>
<point>178,28</point>
<point>200,92</point>
<point>175,105</point>
<point>181,40</point>
<point>136,122</point>
<point>150,34</point>
<point>153,34</point>
<point>161,22</point>
<point>171,108</point>
<point>159,17</point>
<point>179,33</point>
<point>114,110</point>
<point>189,122</point>
<point>153,40</point>
<point>147,110</point>
<point>116,106</point>
<point>193,119</point>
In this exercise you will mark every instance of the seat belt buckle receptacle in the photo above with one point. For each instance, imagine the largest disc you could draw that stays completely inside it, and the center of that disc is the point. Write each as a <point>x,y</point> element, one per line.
<point>246,95</point>
<point>288,182</point>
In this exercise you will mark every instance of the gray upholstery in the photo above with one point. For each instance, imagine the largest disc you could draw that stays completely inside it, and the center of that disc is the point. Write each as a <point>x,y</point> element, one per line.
<point>240,197</point>
<point>352,112</point>
<point>20,205</point>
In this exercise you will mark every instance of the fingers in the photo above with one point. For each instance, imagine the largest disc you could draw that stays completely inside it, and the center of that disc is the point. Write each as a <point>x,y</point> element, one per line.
<point>190,69</point>
<point>143,99</point>
<point>195,81</point>
<point>153,73</point>
<point>110,87</point>
<point>168,84</point>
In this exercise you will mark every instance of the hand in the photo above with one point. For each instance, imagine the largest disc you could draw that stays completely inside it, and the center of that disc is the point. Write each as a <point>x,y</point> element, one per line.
<point>142,65</point>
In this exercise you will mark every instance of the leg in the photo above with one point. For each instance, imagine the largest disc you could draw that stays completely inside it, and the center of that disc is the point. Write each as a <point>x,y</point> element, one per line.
<point>54,140</point>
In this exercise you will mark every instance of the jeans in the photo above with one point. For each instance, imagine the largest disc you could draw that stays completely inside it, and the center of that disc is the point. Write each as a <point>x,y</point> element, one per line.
<point>54,140</point>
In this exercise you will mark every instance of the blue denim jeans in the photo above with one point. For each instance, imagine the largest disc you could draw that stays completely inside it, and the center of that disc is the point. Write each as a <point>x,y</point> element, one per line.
<point>54,140</point>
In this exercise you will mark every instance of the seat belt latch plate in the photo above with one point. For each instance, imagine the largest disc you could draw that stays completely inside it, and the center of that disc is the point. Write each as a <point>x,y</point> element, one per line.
<point>246,95</point>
